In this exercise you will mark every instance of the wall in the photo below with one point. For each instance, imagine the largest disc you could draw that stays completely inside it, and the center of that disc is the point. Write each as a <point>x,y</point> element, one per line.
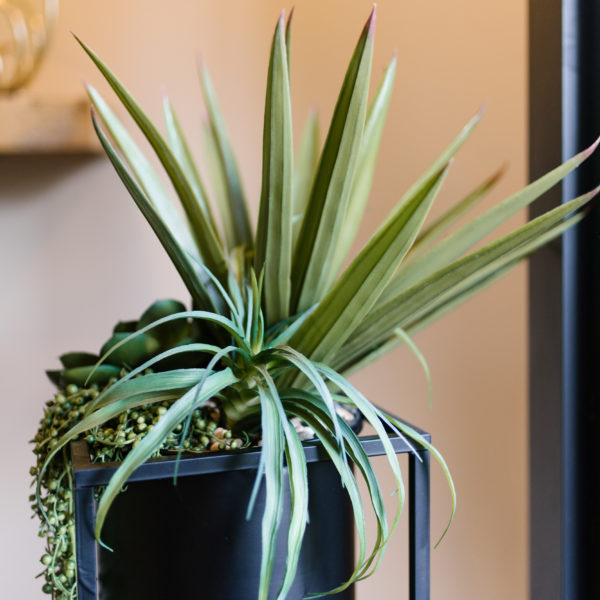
<point>76,256</point>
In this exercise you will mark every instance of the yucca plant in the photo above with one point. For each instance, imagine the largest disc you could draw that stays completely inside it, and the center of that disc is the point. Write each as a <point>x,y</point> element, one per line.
<point>274,327</point>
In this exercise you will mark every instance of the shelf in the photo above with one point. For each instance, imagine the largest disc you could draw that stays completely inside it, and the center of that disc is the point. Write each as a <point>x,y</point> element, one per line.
<point>38,125</point>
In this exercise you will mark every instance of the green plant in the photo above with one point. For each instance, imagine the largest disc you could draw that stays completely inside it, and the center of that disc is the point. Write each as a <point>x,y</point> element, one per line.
<point>274,326</point>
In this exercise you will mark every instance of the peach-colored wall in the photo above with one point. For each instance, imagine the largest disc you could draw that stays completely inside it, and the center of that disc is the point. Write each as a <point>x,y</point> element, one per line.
<point>76,256</point>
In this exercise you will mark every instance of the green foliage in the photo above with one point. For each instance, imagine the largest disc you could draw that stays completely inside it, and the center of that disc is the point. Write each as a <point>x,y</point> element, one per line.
<point>274,327</point>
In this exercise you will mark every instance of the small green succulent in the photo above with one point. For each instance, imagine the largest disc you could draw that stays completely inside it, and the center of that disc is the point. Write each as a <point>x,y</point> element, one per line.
<point>275,324</point>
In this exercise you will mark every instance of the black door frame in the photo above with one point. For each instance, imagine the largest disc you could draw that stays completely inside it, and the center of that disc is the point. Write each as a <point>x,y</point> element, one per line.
<point>564,319</point>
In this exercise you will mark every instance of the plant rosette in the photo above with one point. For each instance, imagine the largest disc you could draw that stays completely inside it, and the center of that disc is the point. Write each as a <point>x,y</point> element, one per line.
<point>276,325</point>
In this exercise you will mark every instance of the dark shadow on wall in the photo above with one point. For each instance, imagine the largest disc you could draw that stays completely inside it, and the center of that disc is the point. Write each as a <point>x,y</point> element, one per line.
<point>24,176</point>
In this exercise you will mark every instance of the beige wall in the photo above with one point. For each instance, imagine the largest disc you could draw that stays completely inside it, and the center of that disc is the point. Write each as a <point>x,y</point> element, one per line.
<point>76,256</point>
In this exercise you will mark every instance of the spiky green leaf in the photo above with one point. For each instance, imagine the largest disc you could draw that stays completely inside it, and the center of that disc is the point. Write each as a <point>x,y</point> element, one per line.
<point>208,244</point>
<point>274,230</point>
<point>322,223</point>
<point>233,208</point>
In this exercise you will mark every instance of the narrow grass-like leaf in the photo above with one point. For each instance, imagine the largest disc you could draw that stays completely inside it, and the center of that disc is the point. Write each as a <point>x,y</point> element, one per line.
<point>208,244</point>
<point>178,255</point>
<point>183,154</point>
<point>307,368</point>
<point>417,437</point>
<point>286,332</point>
<point>164,381</point>
<point>144,173</point>
<point>365,169</point>
<point>343,309</point>
<point>401,334</point>
<point>274,230</point>
<point>288,37</point>
<point>406,308</point>
<point>272,450</point>
<point>326,208</point>
<point>183,349</point>
<point>305,166</point>
<point>374,417</point>
<point>234,211</point>
<point>306,405</point>
<point>150,443</point>
<point>432,232</point>
<point>474,231</point>
<point>223,322</point>
<point>298,479</point>
<point>327,439</point>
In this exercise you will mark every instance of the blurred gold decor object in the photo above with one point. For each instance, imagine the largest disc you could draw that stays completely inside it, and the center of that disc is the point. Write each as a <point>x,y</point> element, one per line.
<point>25,30</point>
<point>33,123</point>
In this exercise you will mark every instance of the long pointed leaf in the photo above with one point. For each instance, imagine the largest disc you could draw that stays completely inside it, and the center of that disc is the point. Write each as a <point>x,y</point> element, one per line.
<point>326,209</point>
<point>405,309</point>
<point>365,169</point>
<point>272,452</point>
<point>144,173</point>
<point>234,211</point>
<point>307,160</point>
<point>339,314</point>
<point>191,276</point>
<point>474,231</point>
<point>204,235</point>
<point>182,152</point>
<point>432,232</point>
<point>274,230</point>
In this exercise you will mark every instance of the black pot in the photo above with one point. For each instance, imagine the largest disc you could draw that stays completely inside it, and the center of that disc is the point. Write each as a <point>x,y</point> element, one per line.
<point>192,540</point>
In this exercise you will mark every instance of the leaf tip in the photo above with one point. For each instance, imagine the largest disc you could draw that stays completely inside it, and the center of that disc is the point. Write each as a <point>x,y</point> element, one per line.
<point>370,26</point>
<point>589,151</point>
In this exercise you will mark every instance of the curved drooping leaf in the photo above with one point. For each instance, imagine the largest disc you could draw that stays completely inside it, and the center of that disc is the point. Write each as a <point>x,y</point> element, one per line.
<point>274,230</point>
<point>327,439</point>
<point>273,444</point>
<point>150,443</point>
<point>328,201</point>
<point>298,480</point>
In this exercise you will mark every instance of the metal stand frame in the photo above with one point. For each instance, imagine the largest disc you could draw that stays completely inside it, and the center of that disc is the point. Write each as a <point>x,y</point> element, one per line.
<point>88,476</point>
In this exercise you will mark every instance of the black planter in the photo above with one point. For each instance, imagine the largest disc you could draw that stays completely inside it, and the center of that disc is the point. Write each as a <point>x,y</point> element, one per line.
<point>192,540</point>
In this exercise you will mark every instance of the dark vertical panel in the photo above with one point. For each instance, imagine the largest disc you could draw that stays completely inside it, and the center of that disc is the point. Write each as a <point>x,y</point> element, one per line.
<point>545,284</point>
<point>419,526</point>
<point>581,315</point>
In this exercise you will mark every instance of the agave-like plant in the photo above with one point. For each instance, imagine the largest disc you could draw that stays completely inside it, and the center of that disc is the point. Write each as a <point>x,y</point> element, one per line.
<point>274,327</point>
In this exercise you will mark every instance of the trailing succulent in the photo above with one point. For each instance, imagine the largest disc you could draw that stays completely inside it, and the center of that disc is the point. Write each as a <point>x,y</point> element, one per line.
<point>275,325</point>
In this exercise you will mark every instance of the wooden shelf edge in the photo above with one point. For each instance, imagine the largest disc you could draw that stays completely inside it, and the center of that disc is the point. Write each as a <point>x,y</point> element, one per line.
<point>38,125</point>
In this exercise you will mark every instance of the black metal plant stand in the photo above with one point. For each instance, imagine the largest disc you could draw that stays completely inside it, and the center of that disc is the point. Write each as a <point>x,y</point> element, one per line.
<point>88,476</point>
